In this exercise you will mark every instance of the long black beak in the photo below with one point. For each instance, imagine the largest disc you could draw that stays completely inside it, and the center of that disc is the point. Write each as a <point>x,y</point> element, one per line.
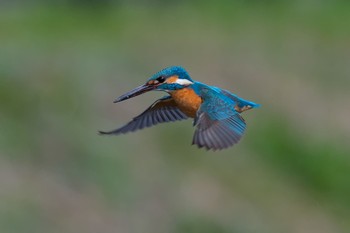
<point>135,92</point>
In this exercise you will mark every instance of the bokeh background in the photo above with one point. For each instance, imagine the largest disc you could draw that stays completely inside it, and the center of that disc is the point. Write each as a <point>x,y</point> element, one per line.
<point>62,63</point>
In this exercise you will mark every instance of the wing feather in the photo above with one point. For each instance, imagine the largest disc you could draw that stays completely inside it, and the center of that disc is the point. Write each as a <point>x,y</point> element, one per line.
<point>218,124</point>
<point>161,111</point>
<point>218,134</point>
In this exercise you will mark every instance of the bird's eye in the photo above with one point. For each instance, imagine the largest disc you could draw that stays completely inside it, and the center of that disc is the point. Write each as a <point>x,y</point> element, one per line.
<point>161,79</point>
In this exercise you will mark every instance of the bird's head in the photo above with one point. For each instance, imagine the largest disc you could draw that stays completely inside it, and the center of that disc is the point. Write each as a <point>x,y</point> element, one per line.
<point>169,79</point>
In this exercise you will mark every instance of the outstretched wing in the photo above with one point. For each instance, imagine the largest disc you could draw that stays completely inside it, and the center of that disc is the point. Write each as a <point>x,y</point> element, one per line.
<point>218,124</point>
<point>163,110</point>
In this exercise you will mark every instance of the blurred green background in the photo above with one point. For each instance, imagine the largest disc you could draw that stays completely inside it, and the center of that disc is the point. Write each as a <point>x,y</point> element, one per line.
<point>62,63</point>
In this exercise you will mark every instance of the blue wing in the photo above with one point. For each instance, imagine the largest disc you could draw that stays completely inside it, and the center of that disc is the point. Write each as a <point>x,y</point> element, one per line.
<point>219,125</point>
<point>163,110</point>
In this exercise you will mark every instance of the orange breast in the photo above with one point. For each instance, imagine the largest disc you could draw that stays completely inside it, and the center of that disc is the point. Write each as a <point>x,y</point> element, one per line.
<point>187,101</point>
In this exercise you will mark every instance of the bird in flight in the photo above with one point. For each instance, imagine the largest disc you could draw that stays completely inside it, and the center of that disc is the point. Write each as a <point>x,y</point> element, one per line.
<point>216,111</point>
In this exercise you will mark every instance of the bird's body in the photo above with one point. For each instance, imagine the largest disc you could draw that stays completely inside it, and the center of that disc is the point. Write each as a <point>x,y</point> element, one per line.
<point>187,100</point>
<point>216,112</point>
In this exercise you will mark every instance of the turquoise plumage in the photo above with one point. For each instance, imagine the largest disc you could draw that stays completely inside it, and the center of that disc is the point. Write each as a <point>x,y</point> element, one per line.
<point>216,112</point>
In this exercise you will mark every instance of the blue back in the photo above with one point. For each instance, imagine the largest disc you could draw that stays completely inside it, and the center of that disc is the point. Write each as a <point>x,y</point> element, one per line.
<point>224,94</point>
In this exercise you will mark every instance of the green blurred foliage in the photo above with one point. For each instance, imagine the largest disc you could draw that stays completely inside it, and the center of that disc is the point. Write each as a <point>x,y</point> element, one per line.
<point>62,63</point>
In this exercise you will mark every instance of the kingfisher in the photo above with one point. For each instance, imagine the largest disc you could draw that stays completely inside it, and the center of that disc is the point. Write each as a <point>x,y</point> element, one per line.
<point>216,112</point>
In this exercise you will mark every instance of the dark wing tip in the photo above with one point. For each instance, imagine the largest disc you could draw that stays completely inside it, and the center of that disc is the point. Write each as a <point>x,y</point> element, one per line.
<point>104,133</point>
<point>206,147</point>
<point>113,132</point>
<point>211,147</point>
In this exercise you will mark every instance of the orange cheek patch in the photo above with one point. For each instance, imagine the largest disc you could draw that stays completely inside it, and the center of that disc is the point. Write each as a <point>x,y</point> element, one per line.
<point>172,79</point>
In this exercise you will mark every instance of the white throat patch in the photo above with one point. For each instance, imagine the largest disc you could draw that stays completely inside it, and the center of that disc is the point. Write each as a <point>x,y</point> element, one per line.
<point>183,82</point>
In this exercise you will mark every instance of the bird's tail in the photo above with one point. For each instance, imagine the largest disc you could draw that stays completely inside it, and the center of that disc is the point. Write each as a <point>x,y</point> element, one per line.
<point>241,104</point>
<point>244,105</point>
